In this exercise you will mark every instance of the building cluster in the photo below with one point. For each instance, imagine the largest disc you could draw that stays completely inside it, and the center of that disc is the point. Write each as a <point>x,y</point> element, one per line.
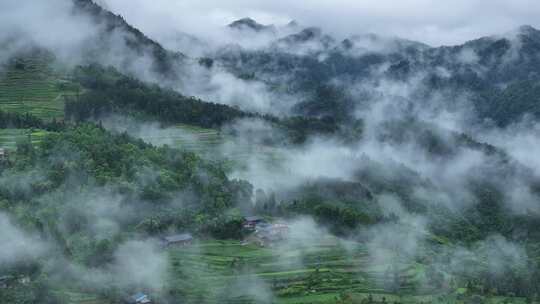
<point>264,233</point>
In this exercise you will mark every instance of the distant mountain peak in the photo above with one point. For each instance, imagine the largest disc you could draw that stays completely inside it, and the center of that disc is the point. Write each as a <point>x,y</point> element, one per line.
<point>530,34</point>
<point>310,35</point>
<point>381,43</point>
<point>248,23</point>
<point>347,44</point>
<point>311,32</point>
<point>527,29</point>
<point>305,35</point>
<point>135,40</point>
<point>293,24</point>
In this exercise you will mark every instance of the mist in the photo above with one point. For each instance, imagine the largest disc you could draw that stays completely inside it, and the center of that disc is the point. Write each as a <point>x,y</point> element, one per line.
<point>22,245</point>
<point>426,21</point>
<point>423,162</point>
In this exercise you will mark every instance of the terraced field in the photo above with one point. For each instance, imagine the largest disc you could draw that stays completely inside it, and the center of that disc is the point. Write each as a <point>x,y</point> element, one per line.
<point>80,298</point>
<point>187,137</point>
<point>29,85</point>
<point>328,272</point>
<point>230,272</point>
<point>10,137</point>
<point>210,143</point>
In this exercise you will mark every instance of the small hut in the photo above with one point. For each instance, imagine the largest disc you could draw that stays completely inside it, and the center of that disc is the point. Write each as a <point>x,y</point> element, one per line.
<point>183,239</point>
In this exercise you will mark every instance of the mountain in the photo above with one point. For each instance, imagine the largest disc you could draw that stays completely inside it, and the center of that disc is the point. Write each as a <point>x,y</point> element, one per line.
<point>134,42</point>
<point>311,37</point>
<point>393,171</point>
<point>371,43</point>
<point>293,24</point>
<point>251,25</point>
<point>305,61</point>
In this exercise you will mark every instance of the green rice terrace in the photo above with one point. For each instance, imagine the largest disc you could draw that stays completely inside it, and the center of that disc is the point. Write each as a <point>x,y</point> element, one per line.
<point>303,274</point>
<point>187,137</point>
<point>10,137</point>
<point>30,85</point>
<point>328,272</point>
<point>212,144</point>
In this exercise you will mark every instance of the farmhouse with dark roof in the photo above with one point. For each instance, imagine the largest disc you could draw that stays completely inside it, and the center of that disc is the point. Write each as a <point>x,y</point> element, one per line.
<point>251,222</point>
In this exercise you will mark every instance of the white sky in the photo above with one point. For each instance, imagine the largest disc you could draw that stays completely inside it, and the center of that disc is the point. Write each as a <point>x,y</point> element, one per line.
<point>434,22</point>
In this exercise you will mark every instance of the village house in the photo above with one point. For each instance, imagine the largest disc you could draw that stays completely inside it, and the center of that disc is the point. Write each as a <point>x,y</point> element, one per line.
<point>251,222</point>
<point>183,239</point>
<point>138,298</point>
<point>263,232</point>
<point>9,281</point>
<point>3,155</point>
<point>6,281</point>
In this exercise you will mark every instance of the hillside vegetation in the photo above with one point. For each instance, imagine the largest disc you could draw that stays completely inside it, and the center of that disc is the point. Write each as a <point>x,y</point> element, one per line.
<point>380,171</point>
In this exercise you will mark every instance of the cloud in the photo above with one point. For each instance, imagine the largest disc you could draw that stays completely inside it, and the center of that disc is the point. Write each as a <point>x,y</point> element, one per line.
<point>219,85</point>
<point>39,23</point>
<point>73,36</point>
<point>136,265</point>
<point>17,244</point>
<point>141,263</point>
<point>496,255</point>
<point>429,21</point>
